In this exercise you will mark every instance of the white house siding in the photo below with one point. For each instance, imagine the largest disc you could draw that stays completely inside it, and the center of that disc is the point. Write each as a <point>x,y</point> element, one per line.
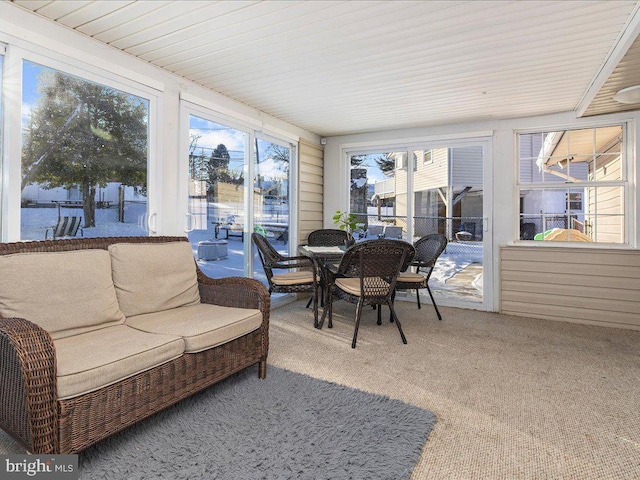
<point>466,166</point>
<point>434,174</point>
<point>311,188</point>
<point>607,199</point>
<point>579,285</point>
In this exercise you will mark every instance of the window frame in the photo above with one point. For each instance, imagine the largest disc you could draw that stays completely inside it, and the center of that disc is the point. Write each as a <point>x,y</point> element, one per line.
<point>14,58</point>
<point>625,182</point>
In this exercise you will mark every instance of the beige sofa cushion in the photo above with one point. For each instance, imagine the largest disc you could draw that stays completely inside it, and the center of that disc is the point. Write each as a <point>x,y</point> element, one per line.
<point>66,293</point>
<point>93,360</point>
<point>202,326</point>
<point>152,277</point>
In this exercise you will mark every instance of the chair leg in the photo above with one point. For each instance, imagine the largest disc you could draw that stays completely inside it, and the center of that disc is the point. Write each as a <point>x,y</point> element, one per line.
<point>434,303</point>
<point>379,316</point>
<point>329,307</point>
<point>393,314</point>
<point>315,308</point>
<point>418,297</point>
<point>358,315</point>
<point>309,302</point>
<point>393,298</point>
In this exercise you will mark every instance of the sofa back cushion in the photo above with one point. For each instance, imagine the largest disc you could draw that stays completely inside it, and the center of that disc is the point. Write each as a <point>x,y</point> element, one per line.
<point>152,277</point>
<point>66,293</point>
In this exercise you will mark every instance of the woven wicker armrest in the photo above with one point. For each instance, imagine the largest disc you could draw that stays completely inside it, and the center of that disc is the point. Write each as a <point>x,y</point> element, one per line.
<point>28,403</point>
<point>237,292</point>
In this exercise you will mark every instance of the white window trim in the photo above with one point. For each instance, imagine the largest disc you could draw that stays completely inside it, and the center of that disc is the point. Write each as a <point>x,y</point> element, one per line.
<point>12,144</point>
<point>188,108</point>
<point>626,182</point>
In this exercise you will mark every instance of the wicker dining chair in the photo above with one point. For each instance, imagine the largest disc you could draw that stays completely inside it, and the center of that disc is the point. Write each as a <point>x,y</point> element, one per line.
<point>428,249</point>
<point>367,276</point>
<point>300,281</point>
<point>328,237</point>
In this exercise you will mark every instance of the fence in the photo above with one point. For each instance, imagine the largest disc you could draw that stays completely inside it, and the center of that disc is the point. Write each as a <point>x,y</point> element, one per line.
<point>530,225</point>
<point>458,230</point>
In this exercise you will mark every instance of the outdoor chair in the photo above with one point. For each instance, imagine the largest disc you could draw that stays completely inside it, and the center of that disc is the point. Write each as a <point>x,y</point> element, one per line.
<point>428,249</point>
<point>328,237</point>
<point>301,281</point>
<point>375,231</point>
<point>66,227</point>
<point>367,276</point>
<point>392,232</point>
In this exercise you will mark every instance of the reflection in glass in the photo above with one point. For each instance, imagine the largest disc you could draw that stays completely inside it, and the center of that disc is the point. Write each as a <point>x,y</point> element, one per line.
<point>271,198</point>
<point>216,197</point>
<point>84,154</point>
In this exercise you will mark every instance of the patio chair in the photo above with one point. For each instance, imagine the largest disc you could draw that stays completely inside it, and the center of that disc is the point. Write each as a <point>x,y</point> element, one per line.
<point>301,281</point>
<point>375,231</point>
<point>328,237</point>
<point>392,232</point>
<point>428,249</point>
<point>66,227</point>
<point>367,276</point>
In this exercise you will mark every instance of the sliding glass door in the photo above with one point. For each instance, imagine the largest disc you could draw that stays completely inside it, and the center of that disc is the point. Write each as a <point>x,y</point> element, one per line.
<point>271,196</point>
<point>407,193</point>
<point>217,204</point>
<point>239,182</point>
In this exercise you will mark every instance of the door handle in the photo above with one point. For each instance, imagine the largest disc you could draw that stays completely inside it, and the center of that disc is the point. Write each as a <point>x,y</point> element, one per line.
<point>153,216</point>
<point>191,222</point>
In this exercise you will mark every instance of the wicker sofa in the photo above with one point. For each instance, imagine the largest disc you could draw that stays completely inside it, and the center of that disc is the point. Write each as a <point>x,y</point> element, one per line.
<point>97,334</point>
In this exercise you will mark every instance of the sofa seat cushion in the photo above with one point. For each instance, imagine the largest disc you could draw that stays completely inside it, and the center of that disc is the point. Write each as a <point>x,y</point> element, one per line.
<point>65,293</point>
<point>202,326</point>
<point>92,360</point>
<point>152,277</point>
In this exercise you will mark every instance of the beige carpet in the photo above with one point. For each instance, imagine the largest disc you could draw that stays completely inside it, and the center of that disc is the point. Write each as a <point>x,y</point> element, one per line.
<point>516,398</point>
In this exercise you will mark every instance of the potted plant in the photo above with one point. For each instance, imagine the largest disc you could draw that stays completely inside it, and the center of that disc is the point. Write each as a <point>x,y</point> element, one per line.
<point>348,222</point>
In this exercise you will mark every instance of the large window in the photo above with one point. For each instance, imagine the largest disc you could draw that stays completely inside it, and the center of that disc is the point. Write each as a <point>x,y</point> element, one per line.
<point>572,185</point>
<point>84,155</point>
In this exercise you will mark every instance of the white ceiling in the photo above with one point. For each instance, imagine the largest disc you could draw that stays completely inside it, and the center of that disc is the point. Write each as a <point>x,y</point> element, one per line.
<point>341,67</point>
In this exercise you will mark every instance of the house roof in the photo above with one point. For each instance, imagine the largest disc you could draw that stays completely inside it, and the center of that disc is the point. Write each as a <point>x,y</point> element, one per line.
<point>342,67</point>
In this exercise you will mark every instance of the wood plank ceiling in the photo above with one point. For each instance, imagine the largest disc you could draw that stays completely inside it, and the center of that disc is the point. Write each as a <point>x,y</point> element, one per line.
<point>341,67</point>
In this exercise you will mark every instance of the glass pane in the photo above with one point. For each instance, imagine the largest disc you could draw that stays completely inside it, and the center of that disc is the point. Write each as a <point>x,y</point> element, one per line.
<point>84,158</point>
<point>591,154</point>
<point>271,198</point>
<point>582,214</point>
<point>378,194</point>
<point>216,197</point>
<point>605,228</point>
<point>448,199</point>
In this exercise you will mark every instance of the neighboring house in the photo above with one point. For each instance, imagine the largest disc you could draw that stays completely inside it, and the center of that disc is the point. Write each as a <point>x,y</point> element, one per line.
<point>565,170</point>
<point>448,190</point>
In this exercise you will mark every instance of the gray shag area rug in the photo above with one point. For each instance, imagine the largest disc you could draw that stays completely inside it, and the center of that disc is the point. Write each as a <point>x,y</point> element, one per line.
<point>288,426</point>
